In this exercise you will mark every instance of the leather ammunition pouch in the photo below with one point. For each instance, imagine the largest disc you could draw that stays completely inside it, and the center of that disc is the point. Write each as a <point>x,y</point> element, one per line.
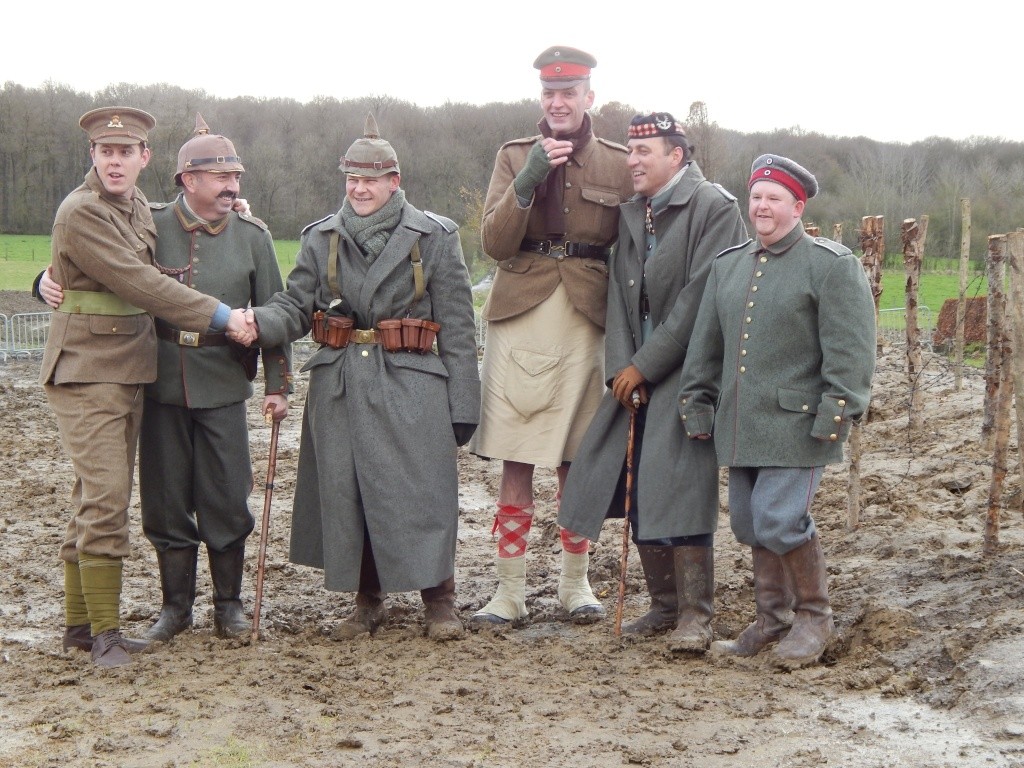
<point>332,330</point>
<point>408,334</point>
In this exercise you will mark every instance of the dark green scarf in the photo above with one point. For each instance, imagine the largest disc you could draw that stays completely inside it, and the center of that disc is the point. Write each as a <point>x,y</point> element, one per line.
<point>371,232</point>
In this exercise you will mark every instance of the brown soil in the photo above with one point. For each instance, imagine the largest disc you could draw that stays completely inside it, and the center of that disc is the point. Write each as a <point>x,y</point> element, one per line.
<point>927,671</point>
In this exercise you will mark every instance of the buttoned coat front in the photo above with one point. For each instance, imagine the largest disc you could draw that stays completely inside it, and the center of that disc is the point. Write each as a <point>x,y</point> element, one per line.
<point>677,480</point>
<point>596,183</point>
<point>377,448</point>
<point>783,353</point>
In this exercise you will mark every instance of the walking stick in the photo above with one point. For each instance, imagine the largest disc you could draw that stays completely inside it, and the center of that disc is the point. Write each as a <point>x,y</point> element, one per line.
<point>625,522</point>
<point>265,528</point>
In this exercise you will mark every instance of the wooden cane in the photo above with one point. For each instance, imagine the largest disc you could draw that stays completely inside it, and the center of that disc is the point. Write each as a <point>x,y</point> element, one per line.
<point>625,521</point>
<point>265,528</point>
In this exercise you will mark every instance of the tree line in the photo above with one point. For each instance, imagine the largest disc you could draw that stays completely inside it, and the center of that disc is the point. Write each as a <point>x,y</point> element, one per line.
<point>291,153</point>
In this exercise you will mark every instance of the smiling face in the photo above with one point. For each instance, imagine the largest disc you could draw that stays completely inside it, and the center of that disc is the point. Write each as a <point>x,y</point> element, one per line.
<point>652,162</point>
<point>118,166</point>
<point>773,211</point>
<point>368,194</point>
<point>211,194</point>
<point>564,108</point>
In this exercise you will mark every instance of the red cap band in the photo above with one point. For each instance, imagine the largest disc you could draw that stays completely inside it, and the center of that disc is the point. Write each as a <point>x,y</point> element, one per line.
<point>564,70</point>
<point>779,177</point>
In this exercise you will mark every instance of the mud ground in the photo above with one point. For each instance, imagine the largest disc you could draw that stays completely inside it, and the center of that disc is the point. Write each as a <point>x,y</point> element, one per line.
<point>927,670</point>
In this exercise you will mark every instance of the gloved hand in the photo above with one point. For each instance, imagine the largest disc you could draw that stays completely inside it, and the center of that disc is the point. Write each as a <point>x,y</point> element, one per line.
<point>463,432</point>
<point>534,172</point>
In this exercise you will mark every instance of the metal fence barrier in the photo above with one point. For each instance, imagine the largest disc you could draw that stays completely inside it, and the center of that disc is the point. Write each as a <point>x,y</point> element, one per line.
<point>23,335</point>
<point>892,324</point>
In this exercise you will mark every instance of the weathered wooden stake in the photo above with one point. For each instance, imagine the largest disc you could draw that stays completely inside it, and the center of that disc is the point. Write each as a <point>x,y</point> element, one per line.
<point>961,302</point>
<point>996,307</point>
<point>1015,252</point>
<point>872,245</point>
<point>913,237</point>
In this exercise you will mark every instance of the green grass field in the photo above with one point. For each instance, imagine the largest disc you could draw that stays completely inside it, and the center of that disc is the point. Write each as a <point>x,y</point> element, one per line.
<point>22,257</point>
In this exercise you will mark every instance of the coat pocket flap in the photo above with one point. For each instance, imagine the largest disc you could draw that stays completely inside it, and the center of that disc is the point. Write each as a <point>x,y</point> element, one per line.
<point>534,363</point>
<point>601,197</point>
<point>798,401</point>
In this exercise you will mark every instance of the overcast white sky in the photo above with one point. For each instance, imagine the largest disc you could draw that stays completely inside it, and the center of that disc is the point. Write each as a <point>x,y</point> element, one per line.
<point>893,70</point>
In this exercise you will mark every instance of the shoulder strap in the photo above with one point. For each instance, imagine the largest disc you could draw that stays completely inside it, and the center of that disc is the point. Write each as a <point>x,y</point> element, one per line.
<point>417,272</point>
<point>332,266</point>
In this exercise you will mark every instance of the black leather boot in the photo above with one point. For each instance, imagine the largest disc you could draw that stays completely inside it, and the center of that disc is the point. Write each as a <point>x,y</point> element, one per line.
<point>660,575</point>
<point>226,574</point>
<point>178,584</point>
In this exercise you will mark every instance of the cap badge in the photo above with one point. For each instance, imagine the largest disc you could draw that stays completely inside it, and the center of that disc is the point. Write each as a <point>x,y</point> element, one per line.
<point>115,122</point>
<point>663,122</point>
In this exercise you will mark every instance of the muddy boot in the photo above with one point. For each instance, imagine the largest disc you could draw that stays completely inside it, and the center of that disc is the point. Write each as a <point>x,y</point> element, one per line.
<point>439,616</point>
<point>108,649</point>
<point>370,611</point>
<point>226,574</point>
<point>80,637</point>
<point>812,622</point>
<point>509,602</point>
<point>773,600</point>
<point>695,593</point>
<point>178,584</point>
<point>574,592</point>
<point>660,575</point>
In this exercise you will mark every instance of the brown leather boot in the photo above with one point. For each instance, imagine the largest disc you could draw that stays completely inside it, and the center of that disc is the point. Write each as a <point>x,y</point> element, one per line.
<point>226,574</point>
<point>80,637</point>
<point>695,593</point>
<point>660,575</point>
<point>178,586</point>
<point>108,649</point>
<point>773,600</point>
<point>812,623</point>
<point>439,616</point>
<point>370,612</point>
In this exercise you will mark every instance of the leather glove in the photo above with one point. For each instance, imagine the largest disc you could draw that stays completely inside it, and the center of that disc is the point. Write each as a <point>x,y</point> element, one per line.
<point>463,432</point>
<point>534,172</point>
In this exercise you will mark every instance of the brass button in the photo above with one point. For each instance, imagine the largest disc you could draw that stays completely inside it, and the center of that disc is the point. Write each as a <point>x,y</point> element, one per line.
<point>805,407</point>
<point>743,369</point>
<point>841,403</point>
<point>684,418</point>
<point>758,273</point>
<point>833,437</point>
<point>743,353</point>
<point>764,259</point>
<point>113,329</point>
<point>631,283</point>
<point>837,419</point>
<point>749,319</point>
<point>746,336</point>
<point>754,289</point>
<point>365,353</point>
<point>750,304</point>
<point>682,400</point>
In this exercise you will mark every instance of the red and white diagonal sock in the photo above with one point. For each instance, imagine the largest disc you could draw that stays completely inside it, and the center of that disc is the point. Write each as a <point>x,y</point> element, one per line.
<point>512,524</point>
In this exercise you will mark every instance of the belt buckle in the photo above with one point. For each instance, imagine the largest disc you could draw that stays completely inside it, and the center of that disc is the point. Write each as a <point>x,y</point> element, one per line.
<point>363,336</point>
<point>188,339</point>
<point>562,248</point>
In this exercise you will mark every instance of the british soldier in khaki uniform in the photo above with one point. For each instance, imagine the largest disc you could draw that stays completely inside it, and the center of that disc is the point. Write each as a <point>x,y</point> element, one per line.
<point>551,216</point>
<point>780,365</point>
<point>100,353</point>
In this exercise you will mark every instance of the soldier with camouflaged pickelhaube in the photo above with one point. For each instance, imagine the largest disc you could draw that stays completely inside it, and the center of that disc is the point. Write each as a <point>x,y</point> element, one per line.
<point>393,391</point>
<point>551,216</point>
<point>669,234</point>
<point>780,366</point>
<point>100,352</point>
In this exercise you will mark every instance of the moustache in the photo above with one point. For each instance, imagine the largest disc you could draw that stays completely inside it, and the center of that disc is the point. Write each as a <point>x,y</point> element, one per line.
<point>228,196</point>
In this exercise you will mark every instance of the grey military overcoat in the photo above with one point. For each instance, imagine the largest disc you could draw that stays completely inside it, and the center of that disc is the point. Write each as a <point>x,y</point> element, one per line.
<point>677,479</point>
<point>377,443</point>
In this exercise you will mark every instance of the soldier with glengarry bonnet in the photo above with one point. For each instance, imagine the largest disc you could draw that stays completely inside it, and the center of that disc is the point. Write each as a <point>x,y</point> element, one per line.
<point>100,353</point>
<point>550,220</point>
<point>780,366</point>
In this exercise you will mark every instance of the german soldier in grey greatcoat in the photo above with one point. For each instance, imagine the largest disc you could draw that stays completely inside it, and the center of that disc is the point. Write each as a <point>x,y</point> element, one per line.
<point>782,357</point>
<point>376,498</point>
<point>550,218</point>
<point>100,352</point>
<point>669,233</point>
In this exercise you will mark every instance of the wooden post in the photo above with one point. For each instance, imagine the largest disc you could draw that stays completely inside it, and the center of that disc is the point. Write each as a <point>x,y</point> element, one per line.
<point>812,229</point>
<point>872,245</point>
<point>1001,349</point>
<point>837,232</point>
<point>913,238</point>
<point>961,302</point>
<point>1015,252</point>
<point>853,481</point>
<point>996,305</point>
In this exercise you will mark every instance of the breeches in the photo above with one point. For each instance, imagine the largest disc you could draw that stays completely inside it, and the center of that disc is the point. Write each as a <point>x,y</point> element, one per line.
<point>771,506</point>
<point>195,476</point>
<point>99,429</point>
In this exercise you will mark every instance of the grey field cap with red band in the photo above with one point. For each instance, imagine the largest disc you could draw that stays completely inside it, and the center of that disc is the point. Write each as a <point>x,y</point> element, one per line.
<point>207,151</point>
<point>371,155</point>
<point>562,67</point>
<point>117,125</point>
<point>786,172</point>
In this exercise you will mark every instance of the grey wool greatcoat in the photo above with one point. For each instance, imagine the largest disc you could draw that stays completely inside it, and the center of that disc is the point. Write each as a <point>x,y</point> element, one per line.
<point>784,352</point>
<point>377,447</point>
<point>677,479</point>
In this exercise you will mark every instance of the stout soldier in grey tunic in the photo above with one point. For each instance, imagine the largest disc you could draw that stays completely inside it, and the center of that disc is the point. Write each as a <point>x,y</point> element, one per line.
<point>781,363</point>
<point>376,498</point>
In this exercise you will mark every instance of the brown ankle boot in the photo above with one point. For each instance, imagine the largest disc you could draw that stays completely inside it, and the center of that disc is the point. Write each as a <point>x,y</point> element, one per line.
<point>773,600</point>
<point>369,614</point>
<point>813,626</point>
<point>439,616</point>
<point>660,574</point>
<point>108,649</point>
<point>695,592</point>
<point>80,637</point>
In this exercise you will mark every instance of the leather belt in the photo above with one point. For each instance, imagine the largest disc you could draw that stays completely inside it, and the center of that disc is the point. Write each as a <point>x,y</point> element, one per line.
<point>361,336</point>
<point>559,249</point>
<point>189,338</point>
